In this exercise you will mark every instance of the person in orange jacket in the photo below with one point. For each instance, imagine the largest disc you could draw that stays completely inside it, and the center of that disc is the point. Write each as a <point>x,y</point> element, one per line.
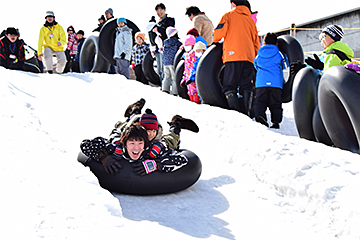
<point>240,46</point>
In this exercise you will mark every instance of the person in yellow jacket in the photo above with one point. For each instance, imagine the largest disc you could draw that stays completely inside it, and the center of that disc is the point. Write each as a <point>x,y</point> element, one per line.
<point>52,39</point>
<point>240,46</point>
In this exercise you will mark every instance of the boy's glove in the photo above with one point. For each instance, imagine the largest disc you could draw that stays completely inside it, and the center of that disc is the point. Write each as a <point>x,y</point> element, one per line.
<point>315,63</point>
<point>122,56</point>
<point>111,166</point>
<point>144,167</point>
<point>295,67</point>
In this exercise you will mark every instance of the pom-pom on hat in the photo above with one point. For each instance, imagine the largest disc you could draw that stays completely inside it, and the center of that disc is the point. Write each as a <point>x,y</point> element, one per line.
<point>189,40</point>
<point>170,31</point>
<point>334,31</point>
<point>149,120</point>
<point>121,20</point>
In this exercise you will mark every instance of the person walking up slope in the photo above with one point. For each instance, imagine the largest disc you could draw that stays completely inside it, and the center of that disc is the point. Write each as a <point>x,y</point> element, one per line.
<point>240,46</point>
<point>52,39</point>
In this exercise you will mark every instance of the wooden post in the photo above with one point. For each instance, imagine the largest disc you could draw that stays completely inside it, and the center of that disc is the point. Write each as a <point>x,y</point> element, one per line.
<point>292,30</point>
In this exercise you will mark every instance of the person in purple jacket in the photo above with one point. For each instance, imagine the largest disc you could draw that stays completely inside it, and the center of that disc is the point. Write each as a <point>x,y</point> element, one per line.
<point>171,46</point>
<point>269,64</point>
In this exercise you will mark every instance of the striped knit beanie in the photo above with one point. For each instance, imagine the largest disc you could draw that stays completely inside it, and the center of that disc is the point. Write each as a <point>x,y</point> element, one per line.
<point>149,120</point>
<point>334,31</point>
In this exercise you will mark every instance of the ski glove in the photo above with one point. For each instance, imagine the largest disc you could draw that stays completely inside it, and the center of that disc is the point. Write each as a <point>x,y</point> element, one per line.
<point>144,167</point>
<point>122,56</point>
<point>315,63</point>
<point>111,166</point>
<point>91,148</point>
<point>295,67</point>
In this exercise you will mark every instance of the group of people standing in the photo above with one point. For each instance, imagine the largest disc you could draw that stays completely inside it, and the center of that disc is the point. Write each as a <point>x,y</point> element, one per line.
<point>252,72</point>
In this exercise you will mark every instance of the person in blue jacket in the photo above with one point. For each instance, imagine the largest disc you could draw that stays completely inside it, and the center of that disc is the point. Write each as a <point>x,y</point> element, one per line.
<point>123,47</point>
<point>269,63</point>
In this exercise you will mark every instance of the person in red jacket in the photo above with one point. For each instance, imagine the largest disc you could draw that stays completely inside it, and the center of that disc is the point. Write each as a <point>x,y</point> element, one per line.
<point>240,46</point>
<point>12,52</point>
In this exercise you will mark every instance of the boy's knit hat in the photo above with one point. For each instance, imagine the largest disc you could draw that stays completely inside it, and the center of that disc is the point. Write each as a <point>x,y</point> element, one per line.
<point>199,45</point>
<point>149,120</point>
<point>170,31</point>
<point>139,34</point>
<point>334,31</point>
<point>201,39</point>
<point>193,32</point>
<point>121,20</point>
<point>189,40</point>
<point>109,10</point>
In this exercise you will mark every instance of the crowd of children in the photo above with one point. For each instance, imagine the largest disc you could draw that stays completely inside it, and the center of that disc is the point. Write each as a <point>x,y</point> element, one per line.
<point>164,43</point>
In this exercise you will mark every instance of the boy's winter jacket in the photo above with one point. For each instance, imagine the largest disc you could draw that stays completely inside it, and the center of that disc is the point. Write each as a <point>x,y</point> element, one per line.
<point>171,47</point>
<point>205,27</point>
<point>269,64</point>
<point>123,42</point>
<point>49,36</point>
<point>331,59</point>
<point>81,42</point>
<point>241,40</point>
<point>12,55</point>
<point>138,53</point>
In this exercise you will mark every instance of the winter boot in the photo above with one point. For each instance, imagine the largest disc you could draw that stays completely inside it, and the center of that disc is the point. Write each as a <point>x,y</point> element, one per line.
<point>275,125</point>
<point>134,108</point>
<point>262,120</point>
<point>185,123</point>
<point>232,100</point>
<point>248,98</point>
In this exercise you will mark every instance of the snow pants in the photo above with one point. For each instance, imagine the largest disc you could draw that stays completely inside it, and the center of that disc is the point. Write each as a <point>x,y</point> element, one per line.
<point>123,67</point>
<point>268,97</point>
<point>169,80</point>
<point>48,60</point>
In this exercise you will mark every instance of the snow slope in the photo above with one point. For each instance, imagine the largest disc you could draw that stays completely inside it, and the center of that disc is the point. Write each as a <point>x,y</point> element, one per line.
<point>257,183</point>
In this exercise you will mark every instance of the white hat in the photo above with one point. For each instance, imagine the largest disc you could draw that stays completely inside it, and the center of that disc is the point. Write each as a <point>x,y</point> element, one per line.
<point>199,45</point>
<point>49,14</point>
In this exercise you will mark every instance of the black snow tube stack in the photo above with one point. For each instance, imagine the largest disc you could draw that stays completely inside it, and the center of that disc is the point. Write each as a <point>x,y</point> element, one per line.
<point>107,38</point>
<point>127,182</point>
<point>90,58</point>
<point>339,97</point>
<point>178,57</point>
<point>149,71</point>
<point>293,50</point>
<point>207,77</point>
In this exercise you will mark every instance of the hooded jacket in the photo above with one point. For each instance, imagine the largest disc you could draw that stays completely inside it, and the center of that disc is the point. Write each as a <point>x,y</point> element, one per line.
<point>269,64</point>
<point>205,27</point>
<point>49,36</point>
<point>241,40</point>
<point>333,59</point>
<point>123,42</point>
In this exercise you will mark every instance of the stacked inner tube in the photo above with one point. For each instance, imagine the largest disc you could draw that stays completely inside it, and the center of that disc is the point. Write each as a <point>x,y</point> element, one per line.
<point>328,112</point>
<point>127,182</point>
<point>210,71</point>
<point>98,50</point>
<point>148,69</point>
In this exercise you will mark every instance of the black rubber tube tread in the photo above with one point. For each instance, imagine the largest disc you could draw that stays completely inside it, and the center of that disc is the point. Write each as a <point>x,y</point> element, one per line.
<point>339,95</point>
<point>148,69</point>
<point>127,182</point>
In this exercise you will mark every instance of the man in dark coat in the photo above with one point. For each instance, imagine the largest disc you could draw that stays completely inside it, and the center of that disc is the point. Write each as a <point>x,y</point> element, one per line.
<point>12,52</point>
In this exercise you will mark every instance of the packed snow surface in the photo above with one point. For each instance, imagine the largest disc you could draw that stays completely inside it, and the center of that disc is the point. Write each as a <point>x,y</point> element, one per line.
<point>256,183</point>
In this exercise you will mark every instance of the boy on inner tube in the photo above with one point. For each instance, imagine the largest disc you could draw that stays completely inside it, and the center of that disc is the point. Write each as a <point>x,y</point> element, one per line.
<point>335,51</point>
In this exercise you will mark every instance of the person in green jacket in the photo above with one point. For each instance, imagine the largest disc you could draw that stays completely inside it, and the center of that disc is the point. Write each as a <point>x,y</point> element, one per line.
<point>52,39</point>
<point>335,51</point>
